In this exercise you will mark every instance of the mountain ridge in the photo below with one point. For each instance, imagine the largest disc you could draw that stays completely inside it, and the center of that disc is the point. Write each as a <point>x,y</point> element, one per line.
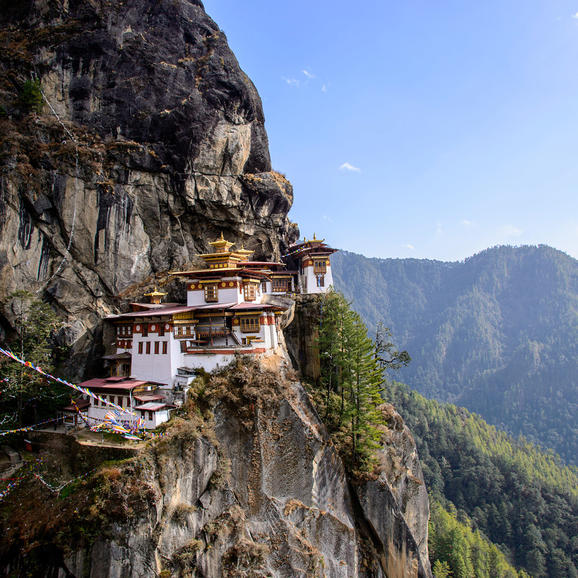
<point>495,333</point>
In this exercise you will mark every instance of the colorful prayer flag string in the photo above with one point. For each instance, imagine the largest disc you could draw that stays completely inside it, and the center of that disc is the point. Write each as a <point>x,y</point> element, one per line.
<point>83,390</point>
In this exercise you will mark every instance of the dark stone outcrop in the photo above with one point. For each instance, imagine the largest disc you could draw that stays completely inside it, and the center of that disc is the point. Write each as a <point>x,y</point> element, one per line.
<point>148,140</point>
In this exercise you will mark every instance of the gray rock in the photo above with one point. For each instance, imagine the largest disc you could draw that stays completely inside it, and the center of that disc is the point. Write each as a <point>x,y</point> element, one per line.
<point>150,142</point>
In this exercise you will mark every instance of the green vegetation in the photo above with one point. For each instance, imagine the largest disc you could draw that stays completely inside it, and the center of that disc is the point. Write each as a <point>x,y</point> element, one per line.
<point>495,333</point>
<point>30,97</point>
<point>25,395</point>
<point>458,551</point>
<point>348,392</point>
<point>523,499</point>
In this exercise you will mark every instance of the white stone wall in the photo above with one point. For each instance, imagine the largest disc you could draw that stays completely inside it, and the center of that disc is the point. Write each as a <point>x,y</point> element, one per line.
<point>228,295</point>
<point>96,413</point>
<point>159,417</point>
<point>153,366</point>
<point>309,281</point>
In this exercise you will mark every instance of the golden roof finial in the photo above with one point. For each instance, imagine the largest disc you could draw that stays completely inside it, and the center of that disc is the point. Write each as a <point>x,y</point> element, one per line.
<point>221,244</point>
<point>156,296</point>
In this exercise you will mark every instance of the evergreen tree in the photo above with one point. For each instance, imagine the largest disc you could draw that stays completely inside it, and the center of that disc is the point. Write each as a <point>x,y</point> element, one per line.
<point>348,392</point>
<point>26,395</point>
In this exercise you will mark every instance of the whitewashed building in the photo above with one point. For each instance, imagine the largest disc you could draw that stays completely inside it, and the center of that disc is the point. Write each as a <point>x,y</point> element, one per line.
<point>160,345</point>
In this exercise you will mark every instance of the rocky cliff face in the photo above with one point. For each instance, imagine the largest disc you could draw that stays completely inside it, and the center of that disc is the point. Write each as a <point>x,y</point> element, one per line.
<point>144,142</point>
<point>248,485</point>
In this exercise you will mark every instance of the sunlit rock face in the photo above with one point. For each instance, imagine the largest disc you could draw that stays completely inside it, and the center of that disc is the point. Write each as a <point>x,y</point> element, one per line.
<point>148,142</point>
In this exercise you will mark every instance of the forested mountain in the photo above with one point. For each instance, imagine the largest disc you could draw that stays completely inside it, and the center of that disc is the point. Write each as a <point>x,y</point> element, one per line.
<point>524,500</point>
<point>496,333</point>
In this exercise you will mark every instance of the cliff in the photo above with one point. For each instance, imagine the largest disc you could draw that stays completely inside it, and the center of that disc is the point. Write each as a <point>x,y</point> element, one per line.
<point>244,483</point>
<point>129,138</point>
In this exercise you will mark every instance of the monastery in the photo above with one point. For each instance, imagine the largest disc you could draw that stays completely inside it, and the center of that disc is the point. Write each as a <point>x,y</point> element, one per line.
<point>234,306</point>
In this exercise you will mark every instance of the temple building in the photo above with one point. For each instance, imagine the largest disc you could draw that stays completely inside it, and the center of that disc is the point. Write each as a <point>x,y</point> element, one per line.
<point>312,261</point>
<point>233,307</point>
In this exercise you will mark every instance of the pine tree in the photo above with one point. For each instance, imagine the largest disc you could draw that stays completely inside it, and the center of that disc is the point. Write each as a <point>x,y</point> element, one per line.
<point>348,392</point>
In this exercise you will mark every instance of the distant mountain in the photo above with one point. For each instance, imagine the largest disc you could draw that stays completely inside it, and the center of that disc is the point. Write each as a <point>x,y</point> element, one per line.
<point>496,333</point>
<point>521,498</point>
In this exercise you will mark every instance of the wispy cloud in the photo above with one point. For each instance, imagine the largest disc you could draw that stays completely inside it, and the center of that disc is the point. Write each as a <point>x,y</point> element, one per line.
<point>409,246</point>
<point>324,88</point>
<point>439,229</point>
<point>327,218</point>
<point>291,81</point>
<point>511,231</point>
<point>575,16</point>
<point>467,223</point>
<point>307,73</point>
<point>349,167</point>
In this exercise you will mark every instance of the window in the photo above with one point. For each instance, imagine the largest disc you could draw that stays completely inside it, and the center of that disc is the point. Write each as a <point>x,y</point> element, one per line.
<point>140,347</point>
<point>165,346</point>
<point>320,266</point>
<point>148,347</point>
<point>145,329</point>
<point>280,285</point>
<point>249,290</point>
<point>150,415</point>
<point>157,345</point>
<point>161,329</point>
<point>120,401</point>
<point>95,401</point>
<point>211,293</point>
<point>250,324</point>
<point>320,280</point>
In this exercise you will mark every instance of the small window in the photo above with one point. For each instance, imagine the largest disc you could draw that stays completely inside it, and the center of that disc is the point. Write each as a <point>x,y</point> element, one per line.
<point>157,345</point>
<point>161,329</point>
<point>280,285</point>
<point>320,280</point>
<point>150,415</point>
<point>95,401</point>
<point>148,347</point>
<point>320,266</point>
<point>211,293</point>
<point>120,401</point>
<point>250,292</point>
<point>145,329</point>
<point>165,347</point>
<point>250,324</point>
<point>140,347</point>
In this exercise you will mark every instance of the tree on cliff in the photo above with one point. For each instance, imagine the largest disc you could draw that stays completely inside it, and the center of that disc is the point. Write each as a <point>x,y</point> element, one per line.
<point>24,393</point>
<point>348,393</point>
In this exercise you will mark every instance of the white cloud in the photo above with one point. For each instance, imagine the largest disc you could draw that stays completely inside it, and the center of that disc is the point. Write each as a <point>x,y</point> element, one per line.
<point>291,81</point>
<point>327,218</point>
<point>439,229</point>
<point>575,16</point>
<point>349,167</point>
<point>511,231</point>
<point>467,223</point>
<point>308,74</point>
<point>409,246</point>
<point>324,88</point>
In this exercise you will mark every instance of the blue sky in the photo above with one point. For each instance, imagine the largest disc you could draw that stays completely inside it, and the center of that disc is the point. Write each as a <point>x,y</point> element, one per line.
<point>419,128</point>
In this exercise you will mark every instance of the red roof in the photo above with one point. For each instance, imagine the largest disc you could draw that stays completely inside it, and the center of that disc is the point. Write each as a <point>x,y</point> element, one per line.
<point>106,383</point>
<point>152,406</point>
<point>154,312</point>
<point>142,397</point>
<point>252,306</point>
<point>80,403</point>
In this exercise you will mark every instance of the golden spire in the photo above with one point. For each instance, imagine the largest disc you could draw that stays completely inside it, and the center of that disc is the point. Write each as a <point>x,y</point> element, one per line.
<point>221,245</point>
<point>156,296</point>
